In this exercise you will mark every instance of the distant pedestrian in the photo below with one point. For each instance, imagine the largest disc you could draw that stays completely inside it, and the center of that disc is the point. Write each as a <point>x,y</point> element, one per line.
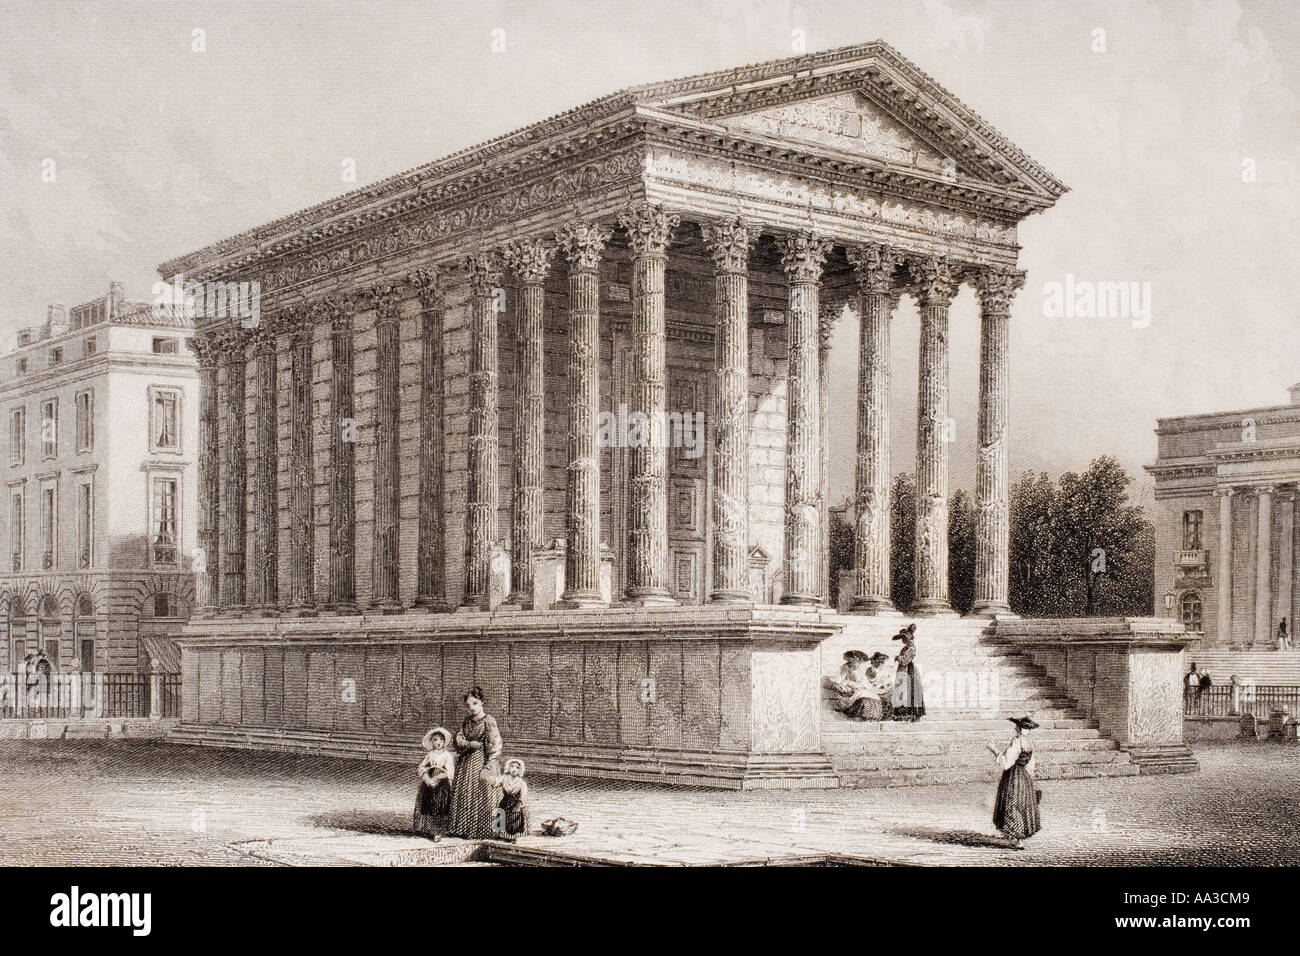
<point>908,698</point>
<point>1204,694</point>
<point>1192,690</point>
<point>1015,809</point>
<point>1283,638</point>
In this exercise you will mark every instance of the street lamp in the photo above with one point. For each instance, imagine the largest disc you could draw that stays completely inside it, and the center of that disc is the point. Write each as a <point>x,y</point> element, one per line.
<point>1169,603</point>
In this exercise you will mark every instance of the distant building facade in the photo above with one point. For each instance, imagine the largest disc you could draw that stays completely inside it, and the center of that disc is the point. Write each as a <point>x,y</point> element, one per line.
<point>101,413</point>
<point>1226,543</point>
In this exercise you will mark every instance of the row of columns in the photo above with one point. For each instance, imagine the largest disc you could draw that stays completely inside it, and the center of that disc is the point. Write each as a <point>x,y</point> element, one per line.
<point>649,229</point>
<point>1262,624</point>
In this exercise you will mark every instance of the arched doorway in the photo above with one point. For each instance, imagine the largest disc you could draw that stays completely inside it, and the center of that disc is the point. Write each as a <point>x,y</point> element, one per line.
<point>51,628</point>
<point>84,633</point>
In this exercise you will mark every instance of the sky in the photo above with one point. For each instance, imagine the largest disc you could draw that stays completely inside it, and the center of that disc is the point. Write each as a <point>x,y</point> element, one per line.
<point>1174,124</point>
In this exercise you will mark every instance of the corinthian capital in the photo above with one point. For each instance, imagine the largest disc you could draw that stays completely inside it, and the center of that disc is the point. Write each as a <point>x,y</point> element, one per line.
<point>649,228</point>
<point>299,323</point>
<point>206,348</point>
<point>935,279</point>
<point>484,270</point>
<point>339,308</point>
<point>997,287</point>
<point>730,241</point>
<point>874,265</point>
<point>428,286</point>
<point>802,256</point>
<point>530,259</point>
<point>582,243</point>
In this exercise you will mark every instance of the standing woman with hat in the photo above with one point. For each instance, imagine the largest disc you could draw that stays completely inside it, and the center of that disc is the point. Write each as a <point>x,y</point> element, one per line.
<point>478,746</point>
<point>909,699</point>
<point>433,798</point>
<point>1015,811</point>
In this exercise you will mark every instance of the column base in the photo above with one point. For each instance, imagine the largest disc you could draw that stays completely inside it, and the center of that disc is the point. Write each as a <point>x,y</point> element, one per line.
<point>933,607</point>
<point>520,601</point>
<point>648,597</point>
<point>388,607</point>
<point>263,610</point>
<point>992,609</point>
<point>301,610</point>
<point>877,606</point>
<point>431,605</point>
<point>732,597</point>
<point>572,600</point>
<point>803,600</point>
<point>340,610</point>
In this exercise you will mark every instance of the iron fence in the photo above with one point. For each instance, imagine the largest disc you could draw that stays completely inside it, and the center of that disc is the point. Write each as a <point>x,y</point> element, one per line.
<point>78,695</point>
<point>1228,701</point>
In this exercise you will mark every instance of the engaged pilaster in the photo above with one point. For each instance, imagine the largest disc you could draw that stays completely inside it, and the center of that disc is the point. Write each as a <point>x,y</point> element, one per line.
<point>936,284</point>
<point>997,287</point>
<point>302,469</point>
<point>1224,574</point>
<point>484,272</point>
<point>343,516</point>
<point>531,262</point>
<point>802,257</point>
<point>385,562</point>
<point>730,242</point>
<point>235,479</point>
<point>649,230</point>
<point>1264,569</point>
<point>430,550</point>
<point>582,244</point>
<point>874,266</point>
<point>208,564</point>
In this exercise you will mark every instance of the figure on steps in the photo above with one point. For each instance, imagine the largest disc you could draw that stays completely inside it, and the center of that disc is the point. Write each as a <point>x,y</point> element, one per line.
<point>908,699</point>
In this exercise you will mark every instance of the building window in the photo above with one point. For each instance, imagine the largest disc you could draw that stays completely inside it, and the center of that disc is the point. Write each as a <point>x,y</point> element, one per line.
<point>1191,611</point>
<point>85,525</point>
<point>85,402</point>
<point>84,629</point>
<point>90,347</point>
<point>164,345</point>
<point>165,605</point>
<point>47,527</point>
<point>16,528</point>
<point>22,366</point>
<point>56,356</point>
<point>165,420</point>
<point>165,538</point>
<point>1192,530</point>
<point>17,635</point>
<point>18,436</point>
<point>50,428</point>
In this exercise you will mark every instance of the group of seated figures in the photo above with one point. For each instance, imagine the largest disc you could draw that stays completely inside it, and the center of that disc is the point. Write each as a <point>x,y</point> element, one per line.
<point>876,687</point>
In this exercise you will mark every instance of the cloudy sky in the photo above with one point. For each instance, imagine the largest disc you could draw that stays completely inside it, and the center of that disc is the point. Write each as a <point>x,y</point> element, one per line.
<point>1174,123</point>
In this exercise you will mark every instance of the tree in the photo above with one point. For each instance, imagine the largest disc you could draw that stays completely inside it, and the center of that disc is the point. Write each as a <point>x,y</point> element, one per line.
<point>841,536</point>
<point>902,530</point>
<point>1097,532</point>
<point>1034,588</point>
<point>961,552</point>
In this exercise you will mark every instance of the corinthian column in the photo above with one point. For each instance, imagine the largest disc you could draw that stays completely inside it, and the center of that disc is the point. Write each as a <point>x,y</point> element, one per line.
<point>235,482</point>
<point>1264,569</point>
<point>937,281</point>
<point>530,261</point>
<point>484,270</point>
<point>830,314</point>
<point>582,244</point>
<point>992,482</point>
<point>802,258</point>
<point>208,564</point>
<point>430,550</point>
<point>385,562</point>
<point>730,242</point>
<point>1224,570</point>
<point>874,266</point>
<point>266,488</point>
<point>649,230</point>
<point>302,470</point>
<point>343,514</point>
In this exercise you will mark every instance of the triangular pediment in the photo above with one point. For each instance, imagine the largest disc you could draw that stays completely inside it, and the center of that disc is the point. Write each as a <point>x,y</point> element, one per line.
<point>867,101</point>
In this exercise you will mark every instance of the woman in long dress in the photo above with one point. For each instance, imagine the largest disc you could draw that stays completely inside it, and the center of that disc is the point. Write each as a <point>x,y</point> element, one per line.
<point>908,698</point>
<point>478,746</point>
<point>433,798</point>
<point>1015,811</point>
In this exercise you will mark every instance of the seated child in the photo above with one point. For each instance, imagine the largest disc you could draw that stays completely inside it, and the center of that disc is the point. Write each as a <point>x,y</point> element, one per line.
<point>859,697</point>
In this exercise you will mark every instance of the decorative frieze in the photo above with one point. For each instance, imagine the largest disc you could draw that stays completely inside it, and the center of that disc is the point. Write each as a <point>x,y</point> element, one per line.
<point>582,244</point>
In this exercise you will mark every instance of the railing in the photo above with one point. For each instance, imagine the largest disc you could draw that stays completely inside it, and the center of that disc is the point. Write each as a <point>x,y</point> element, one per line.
<point>1228,701</point>
<point>77,695</point>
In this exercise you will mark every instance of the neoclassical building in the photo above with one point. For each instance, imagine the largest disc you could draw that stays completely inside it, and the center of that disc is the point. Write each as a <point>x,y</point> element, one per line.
<point>548,417</point>
<point>1226,542</point>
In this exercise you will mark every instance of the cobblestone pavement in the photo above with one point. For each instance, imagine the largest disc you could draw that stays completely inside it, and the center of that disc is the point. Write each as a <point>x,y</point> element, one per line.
<point>146,802</point>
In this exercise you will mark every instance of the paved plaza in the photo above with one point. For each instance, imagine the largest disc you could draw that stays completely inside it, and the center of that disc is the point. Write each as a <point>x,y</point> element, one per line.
<point>147,802</point>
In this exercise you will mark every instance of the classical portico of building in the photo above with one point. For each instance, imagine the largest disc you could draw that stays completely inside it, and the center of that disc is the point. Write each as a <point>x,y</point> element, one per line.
<point>408,483</point>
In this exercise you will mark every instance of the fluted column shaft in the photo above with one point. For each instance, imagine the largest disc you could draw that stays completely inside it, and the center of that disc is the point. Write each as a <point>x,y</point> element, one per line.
<point>649,230</point>
<point>343,516</point>
<point>937,281</point>
<point>302,469</point>
<point>730,242</point>
<point>385,555</point>
<point>826,326</point>
<point>1224,576</point>
<point>803,256</point>
<point>530,261</point>
<point>235,483</point>
<point>266,489</point>
<point>482,496</point>
<point>582,244</point>
<point>1286,560</point>
<point>207,579</point>
<point>430,549</point>
<point>874,266</point>
<point>996,288</point>
<point>1264,569</point>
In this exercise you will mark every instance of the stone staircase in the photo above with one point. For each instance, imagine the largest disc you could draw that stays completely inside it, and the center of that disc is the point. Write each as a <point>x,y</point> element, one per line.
<point>973,684</point>
<point>1278,668</point>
